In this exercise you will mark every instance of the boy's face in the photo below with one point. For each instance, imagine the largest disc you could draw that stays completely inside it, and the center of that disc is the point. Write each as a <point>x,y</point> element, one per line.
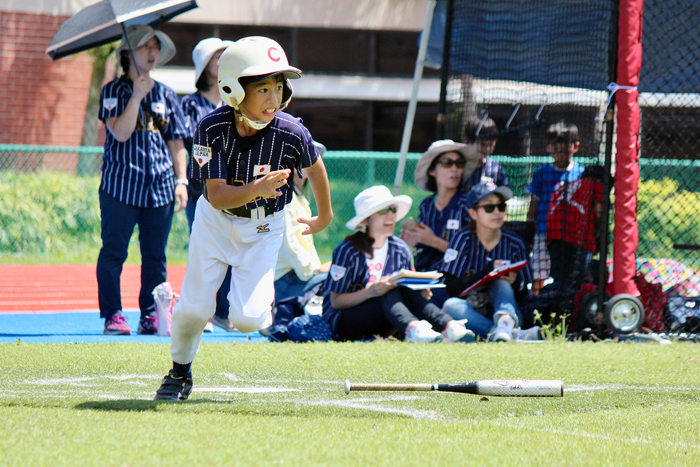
<point>562,151</point>
<point>146,56</point>
<point>485,148</point>
<point>492,220</point>
<point>262,99</point>
<point>448,177</point>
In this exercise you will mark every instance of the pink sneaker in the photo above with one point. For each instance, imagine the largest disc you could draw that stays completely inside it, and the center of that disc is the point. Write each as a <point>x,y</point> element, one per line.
<point>148,325</point>
<point>116,326</point>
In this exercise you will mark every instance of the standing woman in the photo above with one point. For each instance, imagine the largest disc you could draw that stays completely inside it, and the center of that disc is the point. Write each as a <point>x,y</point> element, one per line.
<point>143,174</point>
<point>197,106</point>
<point>359,301</point>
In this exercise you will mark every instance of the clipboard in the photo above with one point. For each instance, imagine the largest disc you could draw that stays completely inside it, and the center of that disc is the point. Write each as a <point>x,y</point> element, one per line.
<point>495,274</point>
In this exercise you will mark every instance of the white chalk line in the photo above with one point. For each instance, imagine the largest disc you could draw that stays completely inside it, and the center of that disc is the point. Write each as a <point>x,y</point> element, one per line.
<point>623,387</point>
<point>585,434</point>
<point>245,390</point>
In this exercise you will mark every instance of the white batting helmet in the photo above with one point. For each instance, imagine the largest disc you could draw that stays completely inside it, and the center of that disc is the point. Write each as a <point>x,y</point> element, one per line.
<point>254,56</point>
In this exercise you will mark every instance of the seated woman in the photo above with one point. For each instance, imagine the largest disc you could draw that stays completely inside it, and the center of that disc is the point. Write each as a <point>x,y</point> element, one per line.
<point>476,251</point>
<point>360,302</point>
<point>442,169</point>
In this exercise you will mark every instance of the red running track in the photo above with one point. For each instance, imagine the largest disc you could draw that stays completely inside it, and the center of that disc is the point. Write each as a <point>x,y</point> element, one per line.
<point>64,287</point>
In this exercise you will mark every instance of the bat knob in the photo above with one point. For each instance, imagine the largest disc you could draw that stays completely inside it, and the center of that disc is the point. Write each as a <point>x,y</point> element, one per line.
<point>347,386</point>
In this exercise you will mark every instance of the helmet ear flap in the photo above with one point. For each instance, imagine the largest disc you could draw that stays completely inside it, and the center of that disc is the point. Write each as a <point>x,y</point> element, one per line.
<point>287,91</point>
<point>231,91</point>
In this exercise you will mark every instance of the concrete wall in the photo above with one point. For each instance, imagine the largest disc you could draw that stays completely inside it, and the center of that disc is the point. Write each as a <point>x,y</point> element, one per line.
<point>399,15</point>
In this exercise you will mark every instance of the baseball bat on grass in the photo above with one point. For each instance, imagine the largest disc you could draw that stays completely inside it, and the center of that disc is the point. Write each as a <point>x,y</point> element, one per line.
<point>502,388</point>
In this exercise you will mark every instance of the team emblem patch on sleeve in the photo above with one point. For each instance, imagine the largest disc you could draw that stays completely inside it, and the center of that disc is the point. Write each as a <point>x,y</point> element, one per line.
<point>450,255</point>
<point>202,154</point>
<point>109,103</point>
<point>337,272</point>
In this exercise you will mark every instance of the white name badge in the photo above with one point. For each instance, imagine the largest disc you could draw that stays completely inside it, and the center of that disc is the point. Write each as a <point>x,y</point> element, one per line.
<point>261,170</point>
<point>453,224</point>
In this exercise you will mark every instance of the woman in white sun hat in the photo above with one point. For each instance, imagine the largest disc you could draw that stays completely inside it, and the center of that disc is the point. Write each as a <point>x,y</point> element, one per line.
<point>443,169</point>
<point>197,106</point>
<point>359,302</point>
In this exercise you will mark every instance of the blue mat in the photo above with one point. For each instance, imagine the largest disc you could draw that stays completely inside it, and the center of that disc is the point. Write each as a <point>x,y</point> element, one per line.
<point>87,327</point>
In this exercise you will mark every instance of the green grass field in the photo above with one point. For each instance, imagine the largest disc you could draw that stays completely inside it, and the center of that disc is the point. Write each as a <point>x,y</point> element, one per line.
<point>284,404</point>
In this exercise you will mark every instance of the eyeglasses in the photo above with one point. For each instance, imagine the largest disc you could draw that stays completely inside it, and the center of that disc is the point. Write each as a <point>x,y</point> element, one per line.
<point>386,210</point>
<point>447,163</point>
<point>488,208</point>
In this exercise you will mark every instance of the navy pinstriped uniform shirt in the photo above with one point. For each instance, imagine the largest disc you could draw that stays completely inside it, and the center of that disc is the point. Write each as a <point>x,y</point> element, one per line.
<point>195,107</point>
<point>491,171</point>
<point>139,172</point>
<point>444,224</point>
<point>283,144</point>
<point>466,254</point>
<point>349,272</point>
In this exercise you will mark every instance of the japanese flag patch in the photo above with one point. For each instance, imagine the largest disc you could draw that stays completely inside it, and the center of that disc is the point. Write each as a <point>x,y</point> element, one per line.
<point>109,103</point>
<point>450,255</point>
<point>453,224</point>
<point>158,107</point>
<point>201,154</point>
<point>261,170</point>
<point>337,272</point>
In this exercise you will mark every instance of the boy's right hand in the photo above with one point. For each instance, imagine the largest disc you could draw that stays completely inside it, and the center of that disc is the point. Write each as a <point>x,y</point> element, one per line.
<point>267,185</point>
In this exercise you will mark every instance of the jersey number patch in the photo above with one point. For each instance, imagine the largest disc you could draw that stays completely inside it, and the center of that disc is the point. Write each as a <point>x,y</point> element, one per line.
<point>202,154</point>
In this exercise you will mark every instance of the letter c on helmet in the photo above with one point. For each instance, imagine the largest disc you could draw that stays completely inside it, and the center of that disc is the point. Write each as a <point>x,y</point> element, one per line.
<point>276,57</point>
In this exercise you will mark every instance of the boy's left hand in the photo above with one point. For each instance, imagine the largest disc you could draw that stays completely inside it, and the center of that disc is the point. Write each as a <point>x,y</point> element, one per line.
<point>511,277</point>
<point>313,225</point>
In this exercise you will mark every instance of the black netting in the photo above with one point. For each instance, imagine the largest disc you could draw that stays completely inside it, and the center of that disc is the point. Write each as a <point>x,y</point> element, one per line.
<point>530,67</point>
<point>669,187</point>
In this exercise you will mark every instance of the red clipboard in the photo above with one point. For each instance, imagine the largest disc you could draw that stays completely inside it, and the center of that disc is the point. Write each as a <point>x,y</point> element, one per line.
<point>495,274</point>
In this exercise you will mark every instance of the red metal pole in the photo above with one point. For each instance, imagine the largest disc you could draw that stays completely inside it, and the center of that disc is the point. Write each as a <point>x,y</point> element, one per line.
<point>629,64</point>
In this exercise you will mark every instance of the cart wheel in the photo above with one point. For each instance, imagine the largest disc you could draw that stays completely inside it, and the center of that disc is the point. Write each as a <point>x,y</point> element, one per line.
<point>588,313</point>
<point>624,314</point>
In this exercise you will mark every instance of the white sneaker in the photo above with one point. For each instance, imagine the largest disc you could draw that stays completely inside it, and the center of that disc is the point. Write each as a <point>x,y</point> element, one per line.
<point>532,334</point>
<point>209,327</point>
<point>503,331</point>
<point>423,332</point>
<point>457,332</point>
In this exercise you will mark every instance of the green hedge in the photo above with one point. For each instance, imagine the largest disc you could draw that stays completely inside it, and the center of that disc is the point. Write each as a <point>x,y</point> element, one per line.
<point>54,216</point>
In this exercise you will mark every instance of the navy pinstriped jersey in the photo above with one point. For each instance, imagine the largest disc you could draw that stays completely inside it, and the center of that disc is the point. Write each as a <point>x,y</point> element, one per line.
<point>466,254</point>
<point>195,107</point>
<point>283,144</point>
<point>139,172</point>
<point>491,171</point>
<point>349,272</point>
<point>443,223</point>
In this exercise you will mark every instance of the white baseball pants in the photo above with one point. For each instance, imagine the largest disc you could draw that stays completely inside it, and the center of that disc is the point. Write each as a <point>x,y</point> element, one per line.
<point>218,240</point>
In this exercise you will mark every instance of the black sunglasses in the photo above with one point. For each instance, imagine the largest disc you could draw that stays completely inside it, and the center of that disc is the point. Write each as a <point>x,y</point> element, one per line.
<point>386,210</point>
<point>490,207</point>
<point>447,163</point>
